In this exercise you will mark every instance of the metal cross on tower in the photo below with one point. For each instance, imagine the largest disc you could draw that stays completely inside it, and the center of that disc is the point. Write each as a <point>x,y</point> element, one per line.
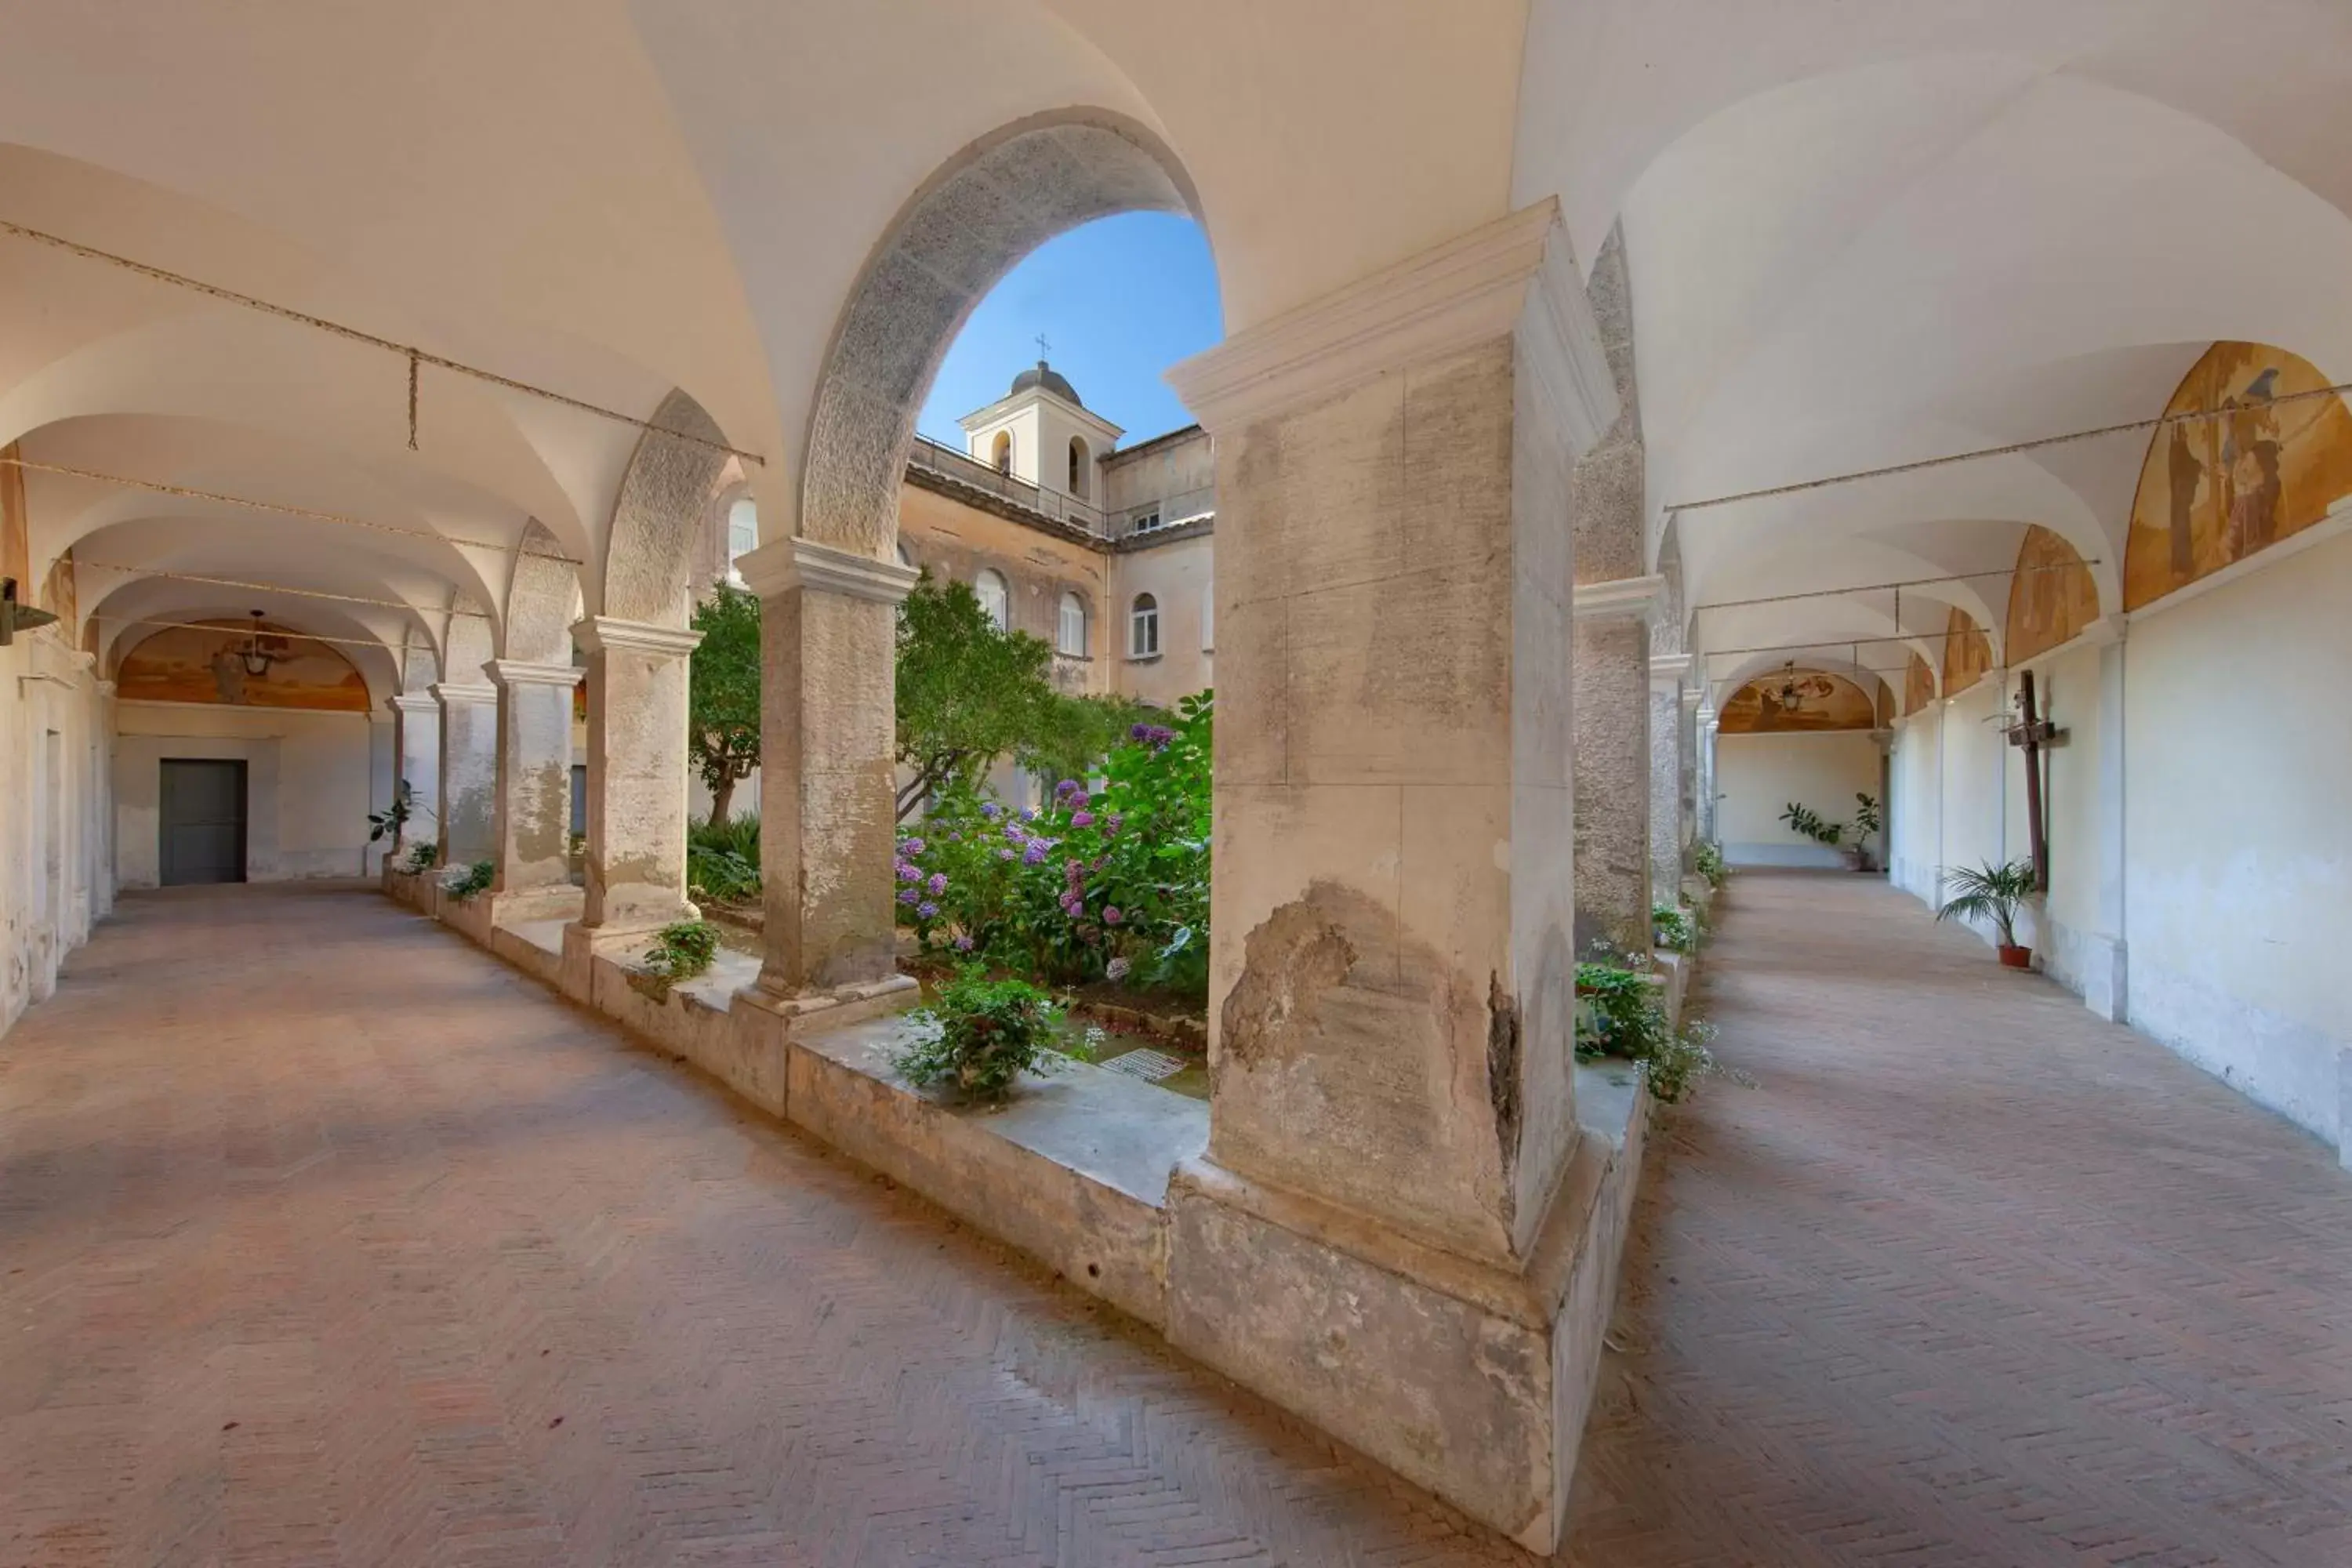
<point>1042,347</point>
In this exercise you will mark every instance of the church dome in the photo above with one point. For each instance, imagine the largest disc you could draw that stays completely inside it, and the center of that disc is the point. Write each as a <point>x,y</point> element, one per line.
<point>1047,376</point>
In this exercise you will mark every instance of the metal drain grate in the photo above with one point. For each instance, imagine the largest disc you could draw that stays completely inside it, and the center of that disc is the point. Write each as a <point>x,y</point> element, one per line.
<point>1151,1065</point>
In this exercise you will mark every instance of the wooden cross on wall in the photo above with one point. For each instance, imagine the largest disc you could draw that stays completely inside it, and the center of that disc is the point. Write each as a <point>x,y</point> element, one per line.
<point>2032,733</point>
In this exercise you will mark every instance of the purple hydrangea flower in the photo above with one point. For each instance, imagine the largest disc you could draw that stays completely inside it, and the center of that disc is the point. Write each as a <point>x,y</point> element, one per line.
<point>1114,822</point>
<point>1065,789</point>
<point>909,896</point>
<point>1137,731</point>
<point>1071,866</point>
<point>1028,813</point>
<point>914,847</point>
<point>963,944</point>
<point>909,872</point>
<point>1111,915</point>
<point>990,809</point>
<point>1035,855</point>
<point>1082,820</point>
<point>1013,831</point>
<point>939,883</point>
<point>1004,855</point>
<point>1080,801</point>
<point>926,908</point>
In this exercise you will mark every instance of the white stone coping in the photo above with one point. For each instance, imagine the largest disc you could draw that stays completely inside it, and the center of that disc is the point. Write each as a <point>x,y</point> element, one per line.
<point>449,691</point>
<point>1516,272</point>
<point>599,634</point>
<point>1620,598</point>
<point>776,569</point>
<point>1670,668</point>
<point>413,703</point>
<point>507,672</point>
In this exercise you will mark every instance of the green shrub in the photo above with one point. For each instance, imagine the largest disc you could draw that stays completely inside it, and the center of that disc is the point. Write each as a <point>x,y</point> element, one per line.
<point>722,860</point>
<point>421,856</point>
<point>1621,1012</point>
<point>680,951</point>
<point>982,1035</point>
<point>1707,860</point>
<point>1675,929</point>
<point>463,884</point>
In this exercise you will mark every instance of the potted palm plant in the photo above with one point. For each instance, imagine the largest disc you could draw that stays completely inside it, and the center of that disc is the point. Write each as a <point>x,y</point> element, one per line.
<point>1990,892</point>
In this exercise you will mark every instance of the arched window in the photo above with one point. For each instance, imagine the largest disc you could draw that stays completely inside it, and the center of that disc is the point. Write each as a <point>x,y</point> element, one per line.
<point>994,597</point>
<point>743,528</point>
<point>1143,627</point>
<point>1071,636</point>
<point>1077,467</point>
<point>1001,452</point>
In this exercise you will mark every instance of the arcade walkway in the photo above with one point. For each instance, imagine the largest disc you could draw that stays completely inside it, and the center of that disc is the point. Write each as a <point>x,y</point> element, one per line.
<point>324,1238</point>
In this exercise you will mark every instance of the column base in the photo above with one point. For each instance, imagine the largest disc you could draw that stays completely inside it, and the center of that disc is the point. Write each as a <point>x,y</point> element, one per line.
<point>1468,1380</point>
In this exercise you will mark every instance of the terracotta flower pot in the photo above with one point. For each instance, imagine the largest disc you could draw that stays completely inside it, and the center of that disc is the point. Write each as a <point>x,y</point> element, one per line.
<point>2016,957</point>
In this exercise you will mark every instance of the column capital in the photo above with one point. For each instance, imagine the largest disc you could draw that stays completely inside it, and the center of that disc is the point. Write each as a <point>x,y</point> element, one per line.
<point>598,633</point>
<point>1625,598</point>
<point>511,672</point>
<point>777,568</point>
<point>412,702</point>
<point>1668,668</point>
<point>1515,274</point>
<point>449,691</point>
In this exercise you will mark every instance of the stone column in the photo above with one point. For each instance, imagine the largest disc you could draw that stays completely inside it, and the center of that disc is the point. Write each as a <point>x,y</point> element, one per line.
<point>827,797</point>
<point>534,791</point>
<point>1616,600</point>
<point>416,762</point>
<point>1704,768</point>
<point>1396,1181</point>
<point>469,772</point>
<point>637,785</point>
<point>1666,774</point>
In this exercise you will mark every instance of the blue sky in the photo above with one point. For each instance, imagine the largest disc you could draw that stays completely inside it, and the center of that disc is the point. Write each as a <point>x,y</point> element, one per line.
<point>1121,299</point>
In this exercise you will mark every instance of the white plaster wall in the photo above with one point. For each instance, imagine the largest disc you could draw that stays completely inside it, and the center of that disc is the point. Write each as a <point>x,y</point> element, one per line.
<point>311,778</point>
<point>1974,772</point>
<point>1758,775</point>
<point>53,791</point>
<point>1181,576</point>
<point>2238,845</point>
<point>1914,801</point>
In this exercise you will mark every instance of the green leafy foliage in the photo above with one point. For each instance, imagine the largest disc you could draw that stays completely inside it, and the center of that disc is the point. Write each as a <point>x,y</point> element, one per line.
<point>722,695</point>
<point>1675,928</point>
<point>1804,819</point>
<point>1621,1012</point>
<point>971,693</point>
<point>1866,817</point>
<point>1707,860</point>
<point>680,951</point>
<point>1990,893</point>
<point>982,1035</point>
<point>722,859</point>
<point>393,819</point>
<point>475,879</point>
<point>421,856</point>
<point>1108,880</point>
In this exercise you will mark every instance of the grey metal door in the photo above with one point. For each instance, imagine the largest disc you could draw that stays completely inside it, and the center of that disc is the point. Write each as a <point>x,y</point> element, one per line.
<point>203,821</point>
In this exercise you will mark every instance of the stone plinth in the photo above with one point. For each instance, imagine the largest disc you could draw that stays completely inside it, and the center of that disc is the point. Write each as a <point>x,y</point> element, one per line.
<point>1394,1157</point>
<point>469,772</point>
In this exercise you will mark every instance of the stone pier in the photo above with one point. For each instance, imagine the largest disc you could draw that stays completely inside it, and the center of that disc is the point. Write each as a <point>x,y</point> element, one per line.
<point>469,772</point>
<point>636,785</point>
<point>417,763</point>
<point>1399,1230</point>
<point>534,790</point>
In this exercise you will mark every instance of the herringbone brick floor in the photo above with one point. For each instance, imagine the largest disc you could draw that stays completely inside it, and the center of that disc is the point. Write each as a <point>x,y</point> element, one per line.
<point>1967,1277</point>
<point>328,1239</point>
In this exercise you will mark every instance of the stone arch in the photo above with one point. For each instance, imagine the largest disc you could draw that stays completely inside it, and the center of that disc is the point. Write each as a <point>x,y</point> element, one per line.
<point>542,600</point>
<point>420,665</point>
<point>664,496</point>
<point>982,211</point>
<point>469,643</point>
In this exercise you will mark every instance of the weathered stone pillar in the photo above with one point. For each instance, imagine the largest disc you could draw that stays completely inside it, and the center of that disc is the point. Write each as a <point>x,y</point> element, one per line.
<point>417,763</point>
<point>636,781</point>
<point>1704,772</point>
<point>534,791</point>
<point>470,770</point>
<point>1395,1192</point>
<point>1616,598</point>
<point>1667,780</point>
<point>828,821</point>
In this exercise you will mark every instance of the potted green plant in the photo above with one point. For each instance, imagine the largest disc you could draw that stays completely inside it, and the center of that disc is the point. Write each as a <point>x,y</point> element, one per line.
<point>1994,893</point>
<point>1867,821</point>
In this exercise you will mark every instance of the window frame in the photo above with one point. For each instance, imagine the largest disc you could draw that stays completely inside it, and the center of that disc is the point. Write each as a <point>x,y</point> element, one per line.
<point>1142,617</point>
<point>1002,613</point>
<point>1062,618</point>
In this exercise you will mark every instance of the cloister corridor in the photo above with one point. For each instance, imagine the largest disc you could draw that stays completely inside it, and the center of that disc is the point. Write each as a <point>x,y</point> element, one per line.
<point>327,1238</point>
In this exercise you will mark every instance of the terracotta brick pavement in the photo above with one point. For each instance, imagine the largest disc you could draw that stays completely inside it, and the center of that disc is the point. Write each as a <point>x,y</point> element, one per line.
<point>1969,1276</point>
<point>325,1239</point>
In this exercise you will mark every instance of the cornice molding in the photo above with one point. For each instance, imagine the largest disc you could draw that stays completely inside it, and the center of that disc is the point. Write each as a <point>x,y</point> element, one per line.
<point>449,691</point>
<point>507,672</point>
<point>412,702</point>
<point>1669,669</point>
<point>1619,598</point>
<point>603,633</point>
<point>1514,274</point>
<point>776,569</point>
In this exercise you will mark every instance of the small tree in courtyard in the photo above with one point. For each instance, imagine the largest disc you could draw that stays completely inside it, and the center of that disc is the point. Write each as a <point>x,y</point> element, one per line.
<point>724,694</point>
<point>971,692</point>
